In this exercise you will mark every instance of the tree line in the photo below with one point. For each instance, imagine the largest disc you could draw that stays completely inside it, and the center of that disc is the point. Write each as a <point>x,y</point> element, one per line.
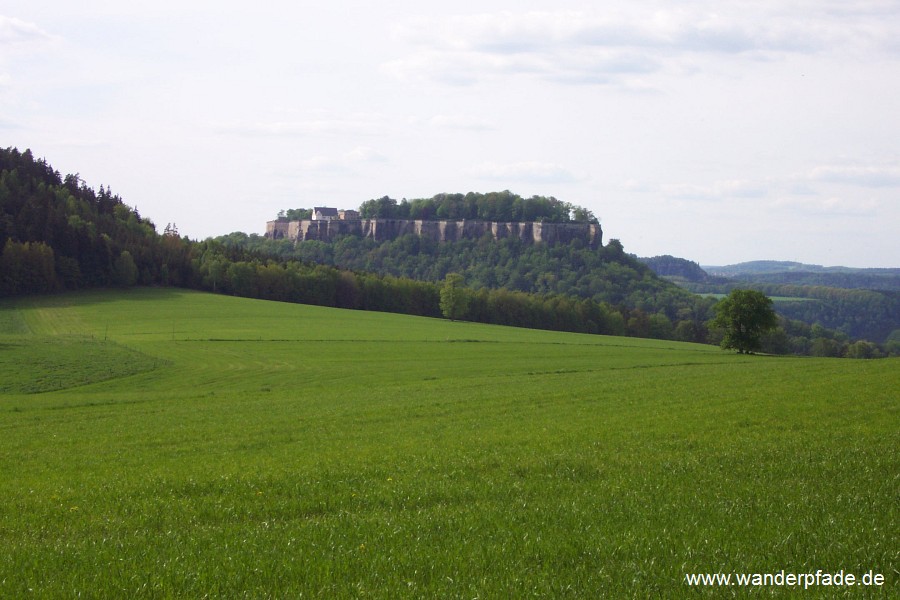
<point>59,234</point>
<point>858,313</point>
<point>605,275</point>
<point>632,300</point>
<point>863,303</point>
<point>863,279</point>
<point>502,206</point>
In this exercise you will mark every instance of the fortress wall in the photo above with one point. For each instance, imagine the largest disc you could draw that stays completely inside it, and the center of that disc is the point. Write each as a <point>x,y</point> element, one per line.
<point>382,230</point>
<point>277,230</point>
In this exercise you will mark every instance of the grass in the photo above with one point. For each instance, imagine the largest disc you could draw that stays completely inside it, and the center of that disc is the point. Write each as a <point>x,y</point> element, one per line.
<point>238,448</point>
<point>61,362</point>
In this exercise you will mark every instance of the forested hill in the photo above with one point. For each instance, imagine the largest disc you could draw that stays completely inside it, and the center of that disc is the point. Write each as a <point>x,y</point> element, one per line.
<point>793,273</point>
<point>860,303</point>
<point>676,269</point>
<point>57,234</point>
<point>607,275</point>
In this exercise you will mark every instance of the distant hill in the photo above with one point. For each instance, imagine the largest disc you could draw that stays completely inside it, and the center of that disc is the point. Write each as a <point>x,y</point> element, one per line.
<point>795,273</point>
<point>676,269</point>
<point>860,303</point>
<point>650,306</point>
<point>757,267</point>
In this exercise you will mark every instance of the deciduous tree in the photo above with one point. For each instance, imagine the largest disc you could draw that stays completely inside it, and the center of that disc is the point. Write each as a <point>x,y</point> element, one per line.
<point>453,297</point>
<point>745,315</point>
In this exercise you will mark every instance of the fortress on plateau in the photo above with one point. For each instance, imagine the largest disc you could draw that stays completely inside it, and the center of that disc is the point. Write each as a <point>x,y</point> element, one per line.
<point>326,227</point>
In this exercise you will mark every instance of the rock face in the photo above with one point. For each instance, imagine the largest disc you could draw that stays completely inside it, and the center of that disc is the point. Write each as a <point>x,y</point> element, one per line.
<point>382,230</point>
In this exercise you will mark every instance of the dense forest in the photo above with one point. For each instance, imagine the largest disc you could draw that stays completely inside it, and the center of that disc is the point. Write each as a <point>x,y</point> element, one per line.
<point>605,275</point>
<point>502,206</point>
<point>870,279</point>
<point>845,304</point>
<point>59,234</point>
<point>860,314</point>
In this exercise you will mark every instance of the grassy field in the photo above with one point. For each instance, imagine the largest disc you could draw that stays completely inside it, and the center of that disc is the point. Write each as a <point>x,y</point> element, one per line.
<point>163,443</point>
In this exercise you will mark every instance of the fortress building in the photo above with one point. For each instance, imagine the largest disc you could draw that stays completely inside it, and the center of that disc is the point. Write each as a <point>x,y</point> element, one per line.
<point>328,229</point>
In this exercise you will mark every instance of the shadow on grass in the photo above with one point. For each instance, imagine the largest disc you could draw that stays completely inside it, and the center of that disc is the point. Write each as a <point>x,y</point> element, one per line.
<point>98,296</point>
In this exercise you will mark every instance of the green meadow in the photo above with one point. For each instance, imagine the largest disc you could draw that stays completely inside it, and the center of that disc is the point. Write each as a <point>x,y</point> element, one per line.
<point>159,443</point>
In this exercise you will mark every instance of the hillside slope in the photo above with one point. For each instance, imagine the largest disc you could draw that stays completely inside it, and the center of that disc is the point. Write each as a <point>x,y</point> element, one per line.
<point>605,275</point>
<point>280,450</point>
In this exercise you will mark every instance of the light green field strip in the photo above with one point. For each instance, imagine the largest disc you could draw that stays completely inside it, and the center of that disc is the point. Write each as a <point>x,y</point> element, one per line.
<point>11,321</point>
<point>50,316</point>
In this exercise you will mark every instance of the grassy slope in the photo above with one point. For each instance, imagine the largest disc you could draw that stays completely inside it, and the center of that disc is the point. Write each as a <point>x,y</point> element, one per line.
<point>238,447</point>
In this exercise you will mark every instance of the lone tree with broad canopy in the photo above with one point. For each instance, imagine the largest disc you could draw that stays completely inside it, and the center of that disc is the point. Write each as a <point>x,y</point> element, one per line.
<point>454,300</point>
<point>745,315</point>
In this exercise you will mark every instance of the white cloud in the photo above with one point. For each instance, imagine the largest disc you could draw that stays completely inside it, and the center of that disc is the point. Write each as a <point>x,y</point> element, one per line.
<point>451,69</point>
<point>346,163</point>
<point>609,46</point>
<point>816,189</point>
<point>461,122</point>
<point>17,31</point>
<point>84,143</point>
<point>323,164</point>
<point>525,172</point>
<point>768,195</point>
<point>351,124</point>
<point>22,46</point>
<point>8,124</point>
<point>826,206</point>
<point>729,189</point>
<point>365,154</point>
<point>874,176</point>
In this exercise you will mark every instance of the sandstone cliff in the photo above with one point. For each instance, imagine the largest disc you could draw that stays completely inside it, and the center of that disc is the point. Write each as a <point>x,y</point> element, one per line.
<point>382,230</point>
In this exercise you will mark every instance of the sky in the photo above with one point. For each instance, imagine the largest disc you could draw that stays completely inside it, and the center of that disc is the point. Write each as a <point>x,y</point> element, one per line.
<point>717,131</point>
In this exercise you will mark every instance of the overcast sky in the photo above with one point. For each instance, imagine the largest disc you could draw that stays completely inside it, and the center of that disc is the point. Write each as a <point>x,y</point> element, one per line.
<point>716,131</point>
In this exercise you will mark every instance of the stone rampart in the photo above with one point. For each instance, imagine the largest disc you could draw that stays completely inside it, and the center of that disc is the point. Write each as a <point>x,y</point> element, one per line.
<point>382,230</point>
